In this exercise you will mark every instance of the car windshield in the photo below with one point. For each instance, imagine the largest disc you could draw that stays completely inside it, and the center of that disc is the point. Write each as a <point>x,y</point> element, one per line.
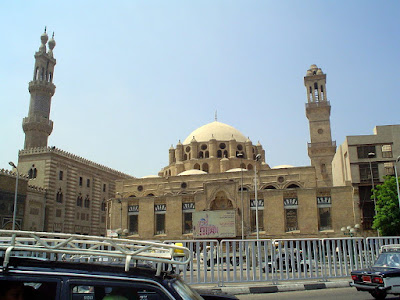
<point>388,259</point>
<point>185,291</point>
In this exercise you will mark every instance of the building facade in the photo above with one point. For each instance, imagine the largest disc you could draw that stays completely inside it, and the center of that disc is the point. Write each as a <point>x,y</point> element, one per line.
<point>217,169</point>
<point>362,162</point>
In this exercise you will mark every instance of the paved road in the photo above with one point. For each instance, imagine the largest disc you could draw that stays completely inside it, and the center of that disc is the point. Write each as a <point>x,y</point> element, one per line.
<point>326,294</point>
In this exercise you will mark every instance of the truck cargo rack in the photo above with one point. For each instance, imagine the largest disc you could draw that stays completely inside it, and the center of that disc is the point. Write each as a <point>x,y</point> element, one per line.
<point>74,247</point>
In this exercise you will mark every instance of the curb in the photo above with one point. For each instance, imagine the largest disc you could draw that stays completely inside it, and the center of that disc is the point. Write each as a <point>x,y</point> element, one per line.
<point>287,287</point>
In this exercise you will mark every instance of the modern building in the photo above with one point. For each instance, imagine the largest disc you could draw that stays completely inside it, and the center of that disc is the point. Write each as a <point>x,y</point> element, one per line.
<point>76,188</point>
<point>362,162</point>
<point>211,177</point>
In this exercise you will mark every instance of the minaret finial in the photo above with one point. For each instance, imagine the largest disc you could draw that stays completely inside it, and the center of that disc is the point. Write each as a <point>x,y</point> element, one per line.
<point>45,29</point>
<point>216,116</point>
<point>52,35</point>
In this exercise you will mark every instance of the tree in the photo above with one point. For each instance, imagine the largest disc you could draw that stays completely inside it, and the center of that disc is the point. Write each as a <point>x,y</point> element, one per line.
<point>387,219</point>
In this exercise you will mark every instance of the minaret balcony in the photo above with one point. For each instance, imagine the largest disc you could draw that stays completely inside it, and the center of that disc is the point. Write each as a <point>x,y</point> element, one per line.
<point>42,86</point>
<point>318,104</point>
<point>322,144</point>
<point>38,123</point>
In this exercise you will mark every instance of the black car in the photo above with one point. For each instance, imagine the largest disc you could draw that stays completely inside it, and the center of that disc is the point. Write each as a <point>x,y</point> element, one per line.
<point>82,268</point>
<point>383,277</point>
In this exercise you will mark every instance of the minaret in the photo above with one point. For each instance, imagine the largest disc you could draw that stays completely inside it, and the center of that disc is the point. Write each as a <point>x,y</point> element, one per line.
<point>318,110</point>
<point>38,126</point>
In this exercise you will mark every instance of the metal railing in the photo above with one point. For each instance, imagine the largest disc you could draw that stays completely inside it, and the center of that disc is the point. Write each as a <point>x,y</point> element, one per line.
<point>213,261</point>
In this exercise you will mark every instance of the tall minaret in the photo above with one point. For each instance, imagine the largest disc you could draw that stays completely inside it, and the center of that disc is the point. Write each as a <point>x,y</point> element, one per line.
<point>38,126</point>
<point>318,110</point>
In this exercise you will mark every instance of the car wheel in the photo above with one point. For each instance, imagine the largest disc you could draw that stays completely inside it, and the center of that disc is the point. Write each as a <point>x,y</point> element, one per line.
<point>379,295</point>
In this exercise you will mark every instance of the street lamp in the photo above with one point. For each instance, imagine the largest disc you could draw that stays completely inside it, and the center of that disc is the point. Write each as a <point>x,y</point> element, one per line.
<point>371,155</point>
<point>120,202</point>
<point>258,157</point>
<point>397,179</point>
<point>240,155</point>
<point>15,195</point>
<point>351,231</point>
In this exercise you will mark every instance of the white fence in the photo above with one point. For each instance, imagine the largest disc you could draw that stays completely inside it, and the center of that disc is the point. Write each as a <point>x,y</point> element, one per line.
<point>234,261</point>
<point>230,261</point>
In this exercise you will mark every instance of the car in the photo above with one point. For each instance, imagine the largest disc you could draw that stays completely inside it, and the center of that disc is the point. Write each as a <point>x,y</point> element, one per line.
<point>383,277</point>
<point>37,265</point>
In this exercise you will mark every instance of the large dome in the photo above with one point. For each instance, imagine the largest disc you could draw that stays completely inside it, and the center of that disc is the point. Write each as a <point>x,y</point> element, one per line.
<point>218,130</point>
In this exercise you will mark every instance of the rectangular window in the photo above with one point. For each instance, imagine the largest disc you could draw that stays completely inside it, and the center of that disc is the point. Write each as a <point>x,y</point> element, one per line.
<point>134,224</point>
<point>188,208</point>
<point>60,175</point>
<point>253,219</point>
<point>160,210</point>
<point>389,168</point>
<point>387,151</point>
<point>104,187</point>
<point>291,219</point>
<point>160,224</point>
<point>365,172</point>
<point>88,183</point>
<point>325,221</point>
<point>80,181</point>
<point>133,214</point>
<point>366,151</point>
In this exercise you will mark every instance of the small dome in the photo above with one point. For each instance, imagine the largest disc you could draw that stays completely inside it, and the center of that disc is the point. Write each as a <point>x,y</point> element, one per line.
<point>236,170</point>
<point>192,172</point>
<point>44,38</point>
<point>309,73</point>
<point>52,43</point>
<point>283,167</point>
<point>215,130</point>
<point>313,66</point>
<point>319,72</point>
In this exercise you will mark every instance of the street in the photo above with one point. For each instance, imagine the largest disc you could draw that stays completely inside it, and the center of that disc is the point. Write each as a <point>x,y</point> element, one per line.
<point>326,294</point>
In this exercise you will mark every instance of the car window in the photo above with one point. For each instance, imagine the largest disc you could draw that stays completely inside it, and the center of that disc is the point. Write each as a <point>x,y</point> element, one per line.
<point>24,290</point>
<point>116,291</point>
<point>388,259</point>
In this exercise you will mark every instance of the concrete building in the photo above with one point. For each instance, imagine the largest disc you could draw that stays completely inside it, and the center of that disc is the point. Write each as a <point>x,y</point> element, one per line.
<point>213,171</point>
<point>76,188</point>
<point>362,162</point>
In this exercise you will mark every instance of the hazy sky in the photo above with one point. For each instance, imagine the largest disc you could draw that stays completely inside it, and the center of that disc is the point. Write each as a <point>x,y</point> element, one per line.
<point>135,77</point>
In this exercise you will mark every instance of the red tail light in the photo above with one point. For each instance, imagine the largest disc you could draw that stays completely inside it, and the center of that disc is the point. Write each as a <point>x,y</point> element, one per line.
<point>354,277</point>
<point>378,280</point>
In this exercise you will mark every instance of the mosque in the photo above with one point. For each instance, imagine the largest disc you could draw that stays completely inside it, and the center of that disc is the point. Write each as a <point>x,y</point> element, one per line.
<point>217,183</point>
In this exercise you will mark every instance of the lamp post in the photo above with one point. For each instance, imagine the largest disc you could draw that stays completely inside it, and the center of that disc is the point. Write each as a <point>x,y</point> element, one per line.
<point>351,231</point>
<point>120,202</point>
<point>397,179</point>
<point>258,156</point>
<point>15,195</point>
<point>241,192</point>
<point>371,155</point>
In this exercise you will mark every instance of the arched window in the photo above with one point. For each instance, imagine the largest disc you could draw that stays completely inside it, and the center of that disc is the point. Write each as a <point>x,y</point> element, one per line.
<point>150,195</point>
<point>323,168</point>
<point>59,196</point>
<point>42,74</point>
<point>103,205</point>
<point>36,76</point>
<point>207,154</point>
<point>219,154</point>
<point>87,201</point>
<point>32,173</point>
<point>196,166</point>
<point>201,153</point>
<point>132,196</point>
<point>249,167</point>
<point>225,153</point>
<point>50,77</point>
<point>293,186</point>
<point>79,200</point>
<point>205,167</point>
<point>270,187</point>
<point>243,165</point>
<point>185,156</point>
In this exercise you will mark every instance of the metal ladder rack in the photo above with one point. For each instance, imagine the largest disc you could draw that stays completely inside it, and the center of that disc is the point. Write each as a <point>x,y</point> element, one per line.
<point>96,248</point>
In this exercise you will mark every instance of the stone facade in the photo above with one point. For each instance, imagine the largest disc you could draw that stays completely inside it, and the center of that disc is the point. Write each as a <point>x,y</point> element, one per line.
<point>361,156</point>
<point>215,169</point>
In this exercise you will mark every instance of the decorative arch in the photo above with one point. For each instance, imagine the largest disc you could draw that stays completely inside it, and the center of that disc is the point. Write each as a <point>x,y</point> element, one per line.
<point>204,167</point>
<point>270,187</point>
<point>221,202</point>
<point>196,166</point>
<point>249,167</point>
<point>293,186</point>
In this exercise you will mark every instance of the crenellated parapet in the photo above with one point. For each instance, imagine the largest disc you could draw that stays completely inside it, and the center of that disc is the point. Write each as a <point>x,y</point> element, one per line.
<point>49,150</point>
<point>12,174</point>
<point>34,188</point>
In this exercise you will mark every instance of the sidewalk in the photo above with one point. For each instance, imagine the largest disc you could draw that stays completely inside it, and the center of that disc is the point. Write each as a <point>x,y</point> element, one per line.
<point>269,287</point>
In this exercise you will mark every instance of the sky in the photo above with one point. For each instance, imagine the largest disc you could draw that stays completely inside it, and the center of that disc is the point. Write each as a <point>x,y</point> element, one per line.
<point>135,77</point>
